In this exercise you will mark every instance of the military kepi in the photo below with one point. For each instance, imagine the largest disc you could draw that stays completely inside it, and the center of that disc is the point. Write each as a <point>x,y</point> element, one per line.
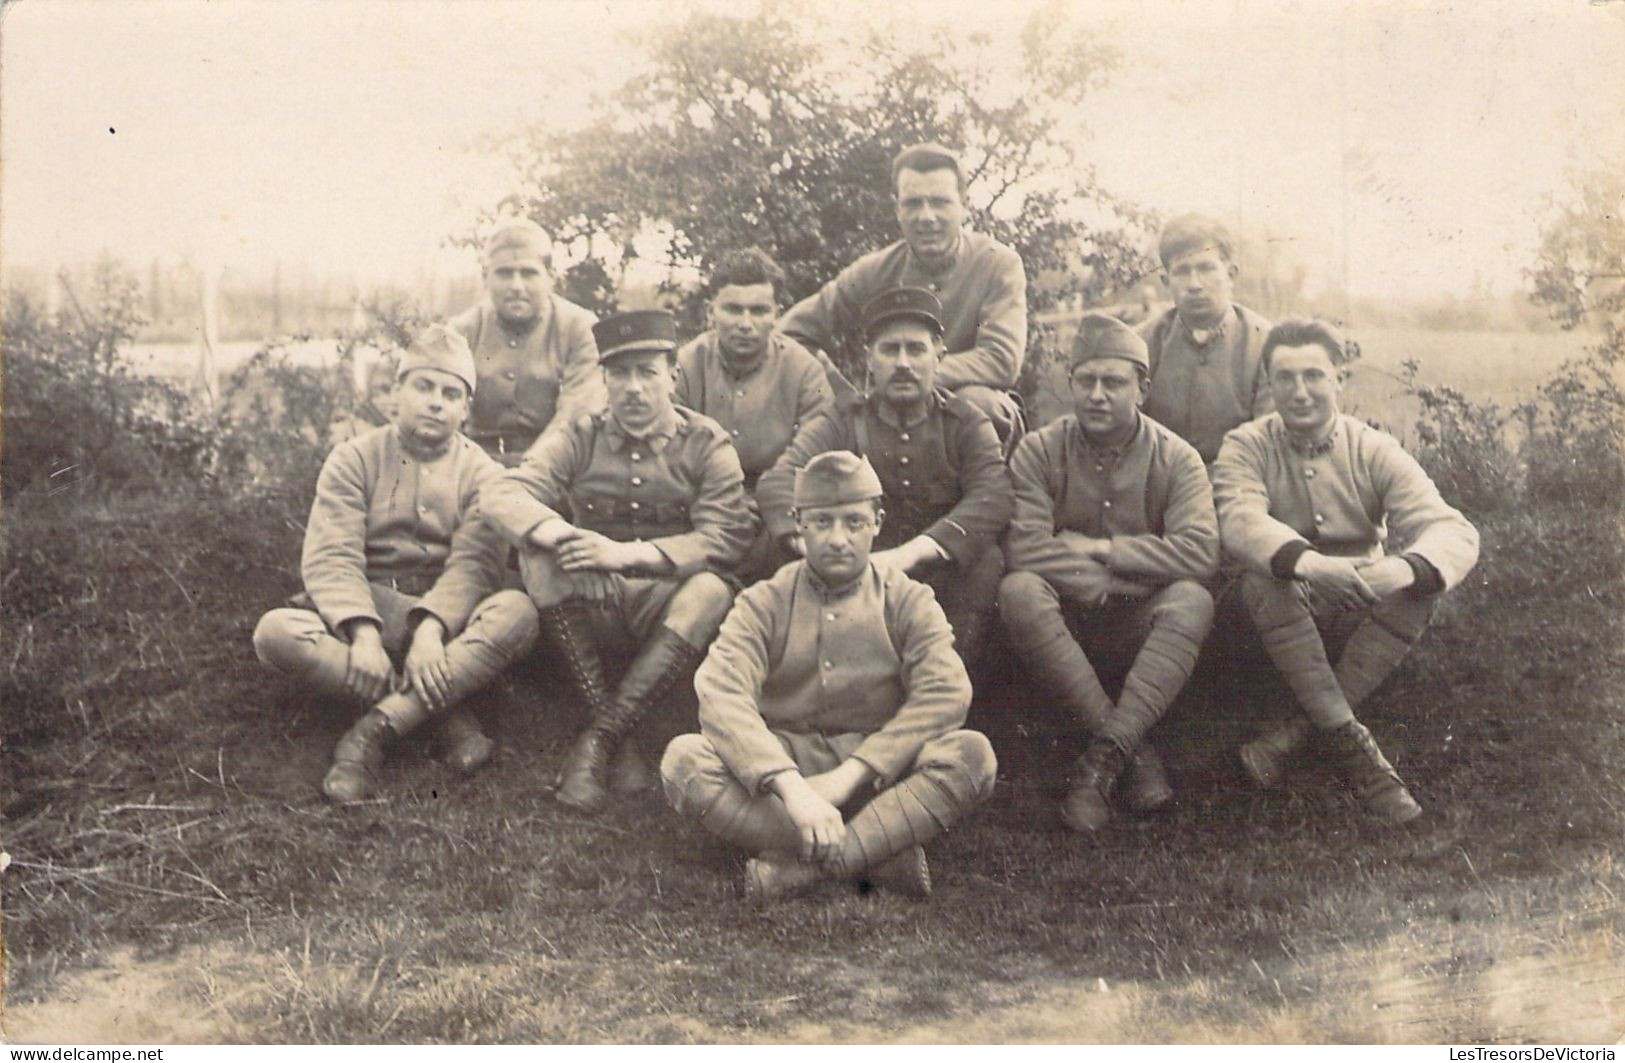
<point>438,347</point>
<point>1103,336</point>
<point>834,479</point>
<point>635,330</point>
<point>918,304</point>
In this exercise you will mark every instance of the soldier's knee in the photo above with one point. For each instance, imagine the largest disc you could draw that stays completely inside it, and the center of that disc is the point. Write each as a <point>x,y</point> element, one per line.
<point>966,762</point>
<point>1022,597</point>
<point>687,757</point>
<point>283,637</point>
<point>1189,604</point>
<point>699,607</point>
<point>510,619</point>
<point>545,582</point>
<point>1268,599</point>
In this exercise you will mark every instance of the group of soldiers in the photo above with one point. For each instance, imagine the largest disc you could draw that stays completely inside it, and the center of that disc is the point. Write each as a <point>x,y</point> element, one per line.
<point>824,559</point>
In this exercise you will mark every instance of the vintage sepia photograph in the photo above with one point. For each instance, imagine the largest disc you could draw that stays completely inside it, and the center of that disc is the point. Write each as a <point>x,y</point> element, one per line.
<point>744,522</point>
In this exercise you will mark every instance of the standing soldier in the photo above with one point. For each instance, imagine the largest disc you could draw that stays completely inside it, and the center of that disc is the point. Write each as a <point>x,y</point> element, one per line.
<point>1113,536</point>
<point>1313,503</point>
<point>832,685</point>
<point>947,494</point>
<point>980,282</point>
<point>623,518</point>
<point>395,562</point>
<point>759,385</point>
<point>1205,353</point>
<point>533,349</point>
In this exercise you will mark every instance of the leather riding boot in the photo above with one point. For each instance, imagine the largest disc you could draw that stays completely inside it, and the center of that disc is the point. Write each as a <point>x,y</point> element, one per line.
<point>1147,783</point>
<point>461,742</point>
<point>1266,758</point>
<point>906,873</point>
<point>584,782</point>
<point>628,774</point>
<point>1087,806</point>
<point>1370,775</point>
<point>357,759</point>
<point>568,628</point>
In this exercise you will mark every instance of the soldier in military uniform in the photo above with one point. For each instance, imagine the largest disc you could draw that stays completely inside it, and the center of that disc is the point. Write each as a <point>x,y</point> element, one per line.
<point>981,283</point>
<point>1206,375</point>
<point>948,497</point>
<point>533,349</point>
<point>832,686</point>
<point>1114,532</point>
<point>623,519</point>
<point>1346,543</point>
<point>395,563</point>
<point>759,385</point>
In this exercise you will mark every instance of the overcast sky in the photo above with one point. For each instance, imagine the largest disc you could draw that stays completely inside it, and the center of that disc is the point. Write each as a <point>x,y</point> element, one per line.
<point>1398,148</point>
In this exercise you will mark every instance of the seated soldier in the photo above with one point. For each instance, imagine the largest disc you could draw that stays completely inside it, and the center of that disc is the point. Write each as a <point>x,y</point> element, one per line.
<point>759,385</point>
<point>1345,541</point>
<point>1113,537</point>
<point>832,685</point>
<point>656,508</point>
<point>981,283</point>
<point>395,561</point>
<point>946,489</point>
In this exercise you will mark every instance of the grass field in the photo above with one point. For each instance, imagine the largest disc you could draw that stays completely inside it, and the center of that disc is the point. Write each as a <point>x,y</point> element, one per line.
<point>177,876</point>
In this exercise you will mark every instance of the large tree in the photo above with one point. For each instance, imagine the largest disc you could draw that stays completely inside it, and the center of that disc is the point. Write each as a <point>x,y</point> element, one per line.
<point>778,131</point>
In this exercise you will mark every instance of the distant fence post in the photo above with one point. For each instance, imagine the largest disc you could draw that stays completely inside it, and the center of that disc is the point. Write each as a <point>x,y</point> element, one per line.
<point>208,368</point>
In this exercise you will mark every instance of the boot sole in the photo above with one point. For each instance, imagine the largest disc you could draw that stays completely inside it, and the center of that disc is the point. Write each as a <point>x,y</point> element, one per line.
<point>1256,769</point>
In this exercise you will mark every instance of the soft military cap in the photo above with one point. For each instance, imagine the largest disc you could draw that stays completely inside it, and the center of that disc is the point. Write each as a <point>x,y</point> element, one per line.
<point>438,347</point>
<point>635,330</point>
<point>518,243</point>
<point>835,478</point>
<point>1103,336</point>
<point>916,303</point>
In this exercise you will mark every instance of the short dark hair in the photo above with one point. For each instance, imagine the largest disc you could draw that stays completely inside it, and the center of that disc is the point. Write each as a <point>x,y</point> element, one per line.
<point>924,158</point>
<point>1301,332</point>
<point>745,265</point>
<point>1194,232</point>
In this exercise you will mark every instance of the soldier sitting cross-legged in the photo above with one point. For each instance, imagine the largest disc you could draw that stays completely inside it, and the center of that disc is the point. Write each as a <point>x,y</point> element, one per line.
<point>623,519</point>
<point>832,686</point>
<point>395,563</point>
<point>1113,536</point>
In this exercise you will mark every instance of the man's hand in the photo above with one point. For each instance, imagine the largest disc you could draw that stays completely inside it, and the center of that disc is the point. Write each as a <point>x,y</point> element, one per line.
<point>839,783</point>
<point>910,556</point>
<point>1335,579</point>
<point>817,821</point>
<point>589,551</point>
<point>1093,583</point>
<point>549,534</point>
<point>1387,576</point>
<point>426,664</point>
<point>1094,549</point>
<point>368,671</point>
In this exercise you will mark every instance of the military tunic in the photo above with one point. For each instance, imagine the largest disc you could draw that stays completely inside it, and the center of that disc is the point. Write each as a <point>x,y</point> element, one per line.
<point>678,487</point>
<point>984,302</point>
<point>528,379</point>
<point>762,409</point>
<point>1201,391</point>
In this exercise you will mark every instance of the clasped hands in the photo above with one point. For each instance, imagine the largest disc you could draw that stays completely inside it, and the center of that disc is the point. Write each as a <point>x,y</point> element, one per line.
<point>581,550</point>
<point>1353,584</point>
<point>369,675</point>
<point>813,803</point>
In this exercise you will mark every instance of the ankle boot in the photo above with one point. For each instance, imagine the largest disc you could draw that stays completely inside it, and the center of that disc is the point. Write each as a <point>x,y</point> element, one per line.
<point>584,782</point>
<point>1266,758</point>
<point>357,759</point>
<point>1147,782</point>
<point>1087,807</point>
<point>906,873</point>
<point>628,774</point>
<point>461,742</point>
<point>1370,775</point>
<point>774,876</point>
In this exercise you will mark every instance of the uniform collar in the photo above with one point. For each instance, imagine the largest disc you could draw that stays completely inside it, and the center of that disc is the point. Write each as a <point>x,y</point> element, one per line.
<point>944,265</point>
<point>827,593</point>
<point>659,434</point>
<point>746,372</point>
<point>1114,453</point>
<point>543,312</point>
<point>1212,333</point>
<point>1313,448</point>
<point>888,413</point>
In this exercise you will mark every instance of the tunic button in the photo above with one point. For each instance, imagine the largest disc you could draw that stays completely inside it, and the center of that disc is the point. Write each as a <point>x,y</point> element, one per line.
<point>636,456</point>
<point>832,616</point>
<point>513,343</point>
<point>1320,518</point>
<point>905,483</point>
<point>829,664</point>
<point>637,481</point>
<point>903,460</point>
<point>635,505</point>
<point>1107,503</point>
<point>904,437</point>
<point>736,433</point>
<point>739,394</point>
<point>1309,474</point>
<point>509,374</point>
